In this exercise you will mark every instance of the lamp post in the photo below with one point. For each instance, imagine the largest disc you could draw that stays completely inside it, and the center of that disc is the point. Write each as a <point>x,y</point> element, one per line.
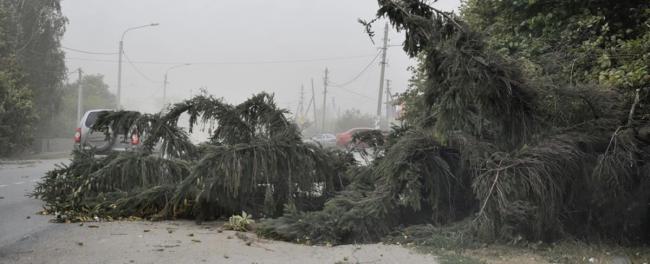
<point>164,101</point>
<point>119,63</point>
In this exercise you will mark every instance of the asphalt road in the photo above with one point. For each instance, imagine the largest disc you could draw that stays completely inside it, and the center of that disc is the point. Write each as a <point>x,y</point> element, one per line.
<point>27,237</point>
<point>19,218</point>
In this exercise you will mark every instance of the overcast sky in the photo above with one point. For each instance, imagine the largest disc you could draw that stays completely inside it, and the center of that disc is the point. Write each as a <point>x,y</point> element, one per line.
<point>236,48</point>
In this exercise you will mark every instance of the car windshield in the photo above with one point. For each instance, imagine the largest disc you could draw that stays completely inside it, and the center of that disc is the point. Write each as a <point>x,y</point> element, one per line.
<point>92,118</point>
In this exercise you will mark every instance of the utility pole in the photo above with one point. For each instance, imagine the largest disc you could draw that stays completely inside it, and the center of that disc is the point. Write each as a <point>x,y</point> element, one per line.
<point>381,75</point>
<point>302,100</point>
<point>164,99</point>
<point>119,62</point>
<point>119,75</point>
<point>79,96</point>
<point>389,102</point>
<point>334,104</point>
<point>313,101</point>
<point>325,81</point>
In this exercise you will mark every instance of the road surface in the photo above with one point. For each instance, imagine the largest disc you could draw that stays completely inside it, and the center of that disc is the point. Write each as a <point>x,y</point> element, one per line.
<point>27,237</point>
<point>19,220</point>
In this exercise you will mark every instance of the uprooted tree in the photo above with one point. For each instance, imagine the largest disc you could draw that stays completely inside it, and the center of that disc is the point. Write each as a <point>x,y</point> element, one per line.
<point>487,148</point>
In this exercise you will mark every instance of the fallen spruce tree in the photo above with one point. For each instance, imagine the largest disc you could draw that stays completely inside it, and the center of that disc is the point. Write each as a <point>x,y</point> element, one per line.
<point>254,161</point>
<point>493,153</point>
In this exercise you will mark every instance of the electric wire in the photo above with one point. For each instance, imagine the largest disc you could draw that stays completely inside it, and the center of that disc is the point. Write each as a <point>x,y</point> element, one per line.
<point>357,94</point>
<point>89,52</point>
<point>228,62</point>
<point>358,75</point>
<point>128,60</point>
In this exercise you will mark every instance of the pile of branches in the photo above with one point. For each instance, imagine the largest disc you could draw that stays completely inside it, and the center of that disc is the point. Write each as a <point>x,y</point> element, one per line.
<point>489,152</point>
<point>389,192</point>
<point>254,161</point>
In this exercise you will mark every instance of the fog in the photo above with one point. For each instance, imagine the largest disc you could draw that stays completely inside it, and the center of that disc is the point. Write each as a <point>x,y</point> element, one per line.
<point>235,48</point>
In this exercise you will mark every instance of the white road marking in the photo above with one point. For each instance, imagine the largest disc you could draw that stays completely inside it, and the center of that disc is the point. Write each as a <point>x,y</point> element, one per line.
<point>18,183</point>
<point>2,185</point>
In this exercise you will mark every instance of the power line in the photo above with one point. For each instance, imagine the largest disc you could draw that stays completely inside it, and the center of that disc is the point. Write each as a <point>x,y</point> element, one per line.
<point>138,70</point>
<point>358,75</point>
<point>230,62</point>
<point>355,93</point>
<point>89,52</point>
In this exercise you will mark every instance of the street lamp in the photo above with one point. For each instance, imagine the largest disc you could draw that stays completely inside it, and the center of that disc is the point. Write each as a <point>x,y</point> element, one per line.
<point>119,63</point>
<point>164,101</point>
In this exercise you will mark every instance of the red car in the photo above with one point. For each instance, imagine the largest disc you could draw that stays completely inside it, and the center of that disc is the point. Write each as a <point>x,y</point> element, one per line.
<point>345,139</point>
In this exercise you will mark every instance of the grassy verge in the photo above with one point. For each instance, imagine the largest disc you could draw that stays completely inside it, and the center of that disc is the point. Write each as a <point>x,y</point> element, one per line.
<point>453,245</point>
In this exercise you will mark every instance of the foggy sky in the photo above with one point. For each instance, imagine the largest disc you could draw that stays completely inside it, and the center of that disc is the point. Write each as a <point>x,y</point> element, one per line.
<point>237,48</point>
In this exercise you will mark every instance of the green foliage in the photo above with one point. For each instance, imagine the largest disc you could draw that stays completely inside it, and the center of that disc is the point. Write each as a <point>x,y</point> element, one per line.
<point>241,222</point>
<point>255,161</point>
<point>155,129</point>
<point>380,195</point>
<point>17,110</point>
<point>561,46</point>
<point>32,31</point>
<point>497,146</point>
<point>517,149</point>
<point>17,114</point>
<point>117,185</point>
<point>469,87</point>
<point>455,236</point>
<point>414,110</point>
<point>584,41</point>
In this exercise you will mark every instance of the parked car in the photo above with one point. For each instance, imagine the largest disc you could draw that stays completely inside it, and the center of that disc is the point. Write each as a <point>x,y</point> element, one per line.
<point>344,139</point>
<point>325,140</point>
<point>87,138</point>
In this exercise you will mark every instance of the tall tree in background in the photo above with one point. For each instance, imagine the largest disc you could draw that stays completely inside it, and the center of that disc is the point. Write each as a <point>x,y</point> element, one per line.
<point>32,33</point>
<point>16,108</point>
<point>576,40</point>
